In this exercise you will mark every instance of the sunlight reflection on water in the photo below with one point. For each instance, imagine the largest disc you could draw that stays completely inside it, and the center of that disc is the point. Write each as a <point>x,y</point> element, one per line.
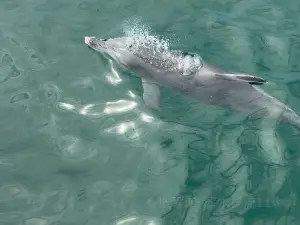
<point>113,76</point>
<point>137,220</point>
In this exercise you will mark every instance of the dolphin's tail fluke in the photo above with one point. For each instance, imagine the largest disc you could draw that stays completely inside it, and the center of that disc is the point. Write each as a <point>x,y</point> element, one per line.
<point>275,109</point>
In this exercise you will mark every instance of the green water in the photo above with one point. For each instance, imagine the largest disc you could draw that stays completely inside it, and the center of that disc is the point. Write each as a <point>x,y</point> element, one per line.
<point>80,147</point>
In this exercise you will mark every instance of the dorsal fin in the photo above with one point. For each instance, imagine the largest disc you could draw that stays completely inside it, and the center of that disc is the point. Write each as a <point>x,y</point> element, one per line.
<point>251,79</point>
<point>247,78</point>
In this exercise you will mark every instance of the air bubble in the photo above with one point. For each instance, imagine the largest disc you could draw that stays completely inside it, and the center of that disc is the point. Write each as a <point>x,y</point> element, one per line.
<point>156,51</point>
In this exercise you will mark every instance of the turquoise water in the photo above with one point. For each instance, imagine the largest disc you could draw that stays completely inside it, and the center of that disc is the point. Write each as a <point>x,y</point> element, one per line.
<point>80,147</point>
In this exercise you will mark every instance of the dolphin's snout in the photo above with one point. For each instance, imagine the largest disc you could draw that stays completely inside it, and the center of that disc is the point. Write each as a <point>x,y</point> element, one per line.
<point>87,40</point>
<point>93,41</point>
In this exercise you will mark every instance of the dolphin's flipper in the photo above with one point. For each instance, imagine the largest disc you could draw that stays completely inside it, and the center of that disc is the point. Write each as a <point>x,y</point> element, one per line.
<point>245,77</point>
<point>151,94</point>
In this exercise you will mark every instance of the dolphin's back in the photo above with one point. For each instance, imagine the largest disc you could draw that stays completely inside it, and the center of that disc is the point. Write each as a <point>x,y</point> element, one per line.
<point>209,85</point>
<point>241,96</point>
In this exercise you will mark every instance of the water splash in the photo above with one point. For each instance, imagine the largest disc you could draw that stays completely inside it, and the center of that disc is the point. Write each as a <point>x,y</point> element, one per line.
<point>153,49</point>
<point>142,35</point>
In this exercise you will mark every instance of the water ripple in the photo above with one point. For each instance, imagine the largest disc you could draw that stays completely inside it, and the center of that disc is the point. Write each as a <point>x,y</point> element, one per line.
<point>139,219</point>
<point>88,151</point>
<point>76,149</point>
<point>19,97</point>
<point>36,221</point>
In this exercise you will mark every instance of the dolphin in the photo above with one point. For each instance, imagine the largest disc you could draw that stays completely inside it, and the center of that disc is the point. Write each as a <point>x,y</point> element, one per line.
<point>188,74</point>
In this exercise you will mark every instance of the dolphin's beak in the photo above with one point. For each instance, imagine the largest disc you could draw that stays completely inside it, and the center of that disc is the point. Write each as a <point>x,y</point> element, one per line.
<point>87,40</point>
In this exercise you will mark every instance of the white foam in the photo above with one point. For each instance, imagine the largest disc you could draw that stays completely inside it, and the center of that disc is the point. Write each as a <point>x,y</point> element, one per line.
<point>156,50</point>
<point>142,35</point>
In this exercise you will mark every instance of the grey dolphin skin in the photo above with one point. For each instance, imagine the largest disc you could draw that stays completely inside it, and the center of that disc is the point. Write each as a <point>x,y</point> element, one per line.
<point>190,75</point>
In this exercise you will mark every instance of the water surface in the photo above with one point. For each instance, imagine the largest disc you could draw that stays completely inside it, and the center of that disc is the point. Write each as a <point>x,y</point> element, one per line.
<point>79,146</point>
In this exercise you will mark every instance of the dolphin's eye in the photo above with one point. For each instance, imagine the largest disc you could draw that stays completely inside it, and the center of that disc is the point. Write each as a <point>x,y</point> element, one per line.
<point>93,43</point>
